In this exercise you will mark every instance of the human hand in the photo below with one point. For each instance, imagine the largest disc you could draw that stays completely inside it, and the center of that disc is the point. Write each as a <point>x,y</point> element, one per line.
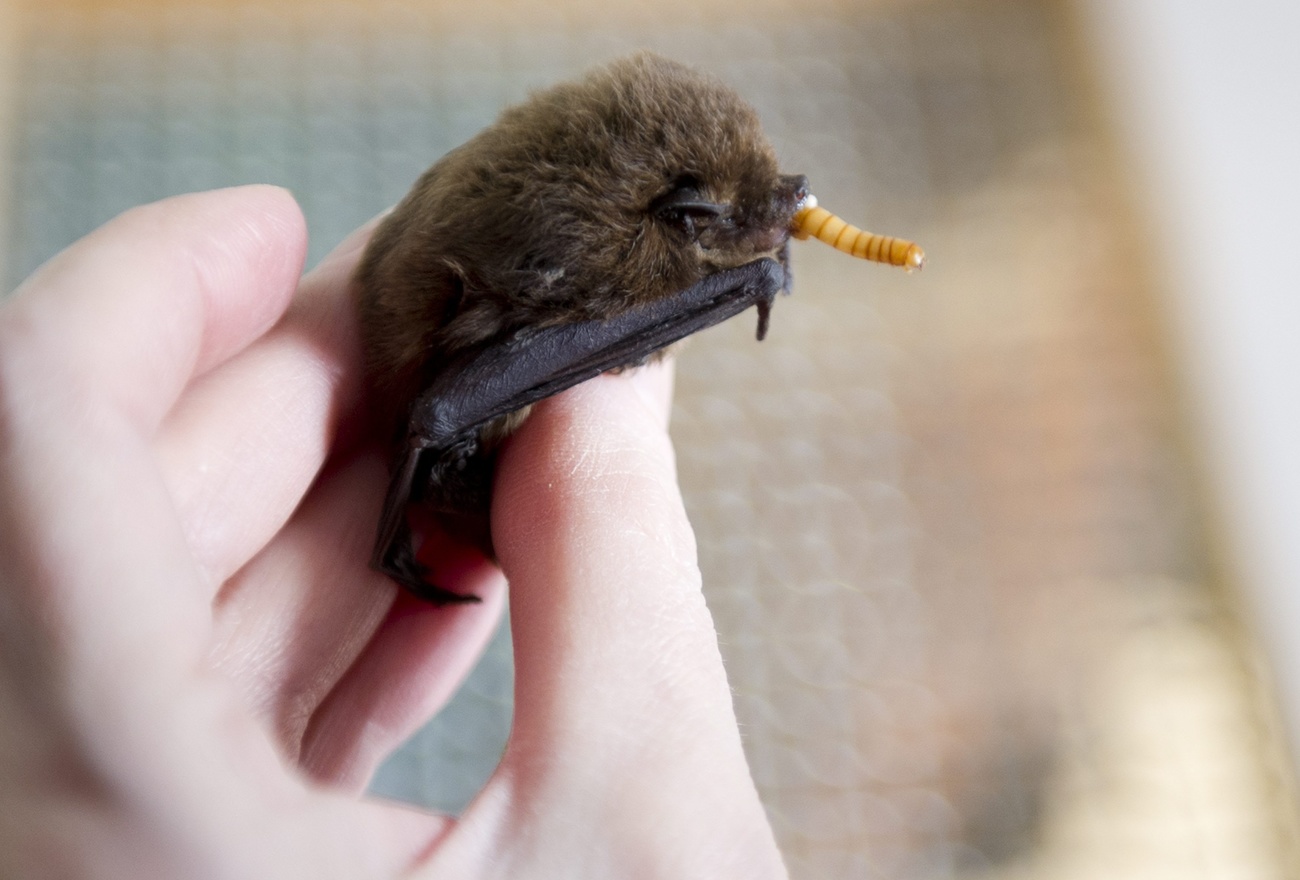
<point>197,672</point>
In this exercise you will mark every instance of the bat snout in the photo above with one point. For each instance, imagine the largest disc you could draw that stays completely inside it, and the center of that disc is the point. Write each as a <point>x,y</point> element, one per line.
<point>796,185</point>
<point>791,190</point>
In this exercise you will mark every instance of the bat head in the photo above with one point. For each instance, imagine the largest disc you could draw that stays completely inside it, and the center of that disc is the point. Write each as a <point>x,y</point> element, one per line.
<point>626,185</point>
<point>697,180</point>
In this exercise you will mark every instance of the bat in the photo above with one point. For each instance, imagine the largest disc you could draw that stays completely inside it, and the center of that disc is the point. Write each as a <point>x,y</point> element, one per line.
<point>588,228</point>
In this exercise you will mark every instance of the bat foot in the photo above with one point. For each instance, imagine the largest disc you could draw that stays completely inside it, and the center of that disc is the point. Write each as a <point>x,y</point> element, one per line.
<point>436,595</point>
<point>402,566</point>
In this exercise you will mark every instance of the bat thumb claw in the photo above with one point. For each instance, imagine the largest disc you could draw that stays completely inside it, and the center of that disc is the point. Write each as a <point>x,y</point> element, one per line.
<point>764,317</point>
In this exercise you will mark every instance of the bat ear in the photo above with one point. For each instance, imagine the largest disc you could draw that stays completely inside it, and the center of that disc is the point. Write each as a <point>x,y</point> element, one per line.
<point>684,209</point>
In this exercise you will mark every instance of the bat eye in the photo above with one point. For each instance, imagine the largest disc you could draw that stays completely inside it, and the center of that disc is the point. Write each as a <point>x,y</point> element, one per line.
<point>684,209</point>
<point>692,220</point>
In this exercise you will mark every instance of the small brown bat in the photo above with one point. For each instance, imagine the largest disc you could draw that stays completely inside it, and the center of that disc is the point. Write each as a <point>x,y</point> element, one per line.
<point>585,230</point>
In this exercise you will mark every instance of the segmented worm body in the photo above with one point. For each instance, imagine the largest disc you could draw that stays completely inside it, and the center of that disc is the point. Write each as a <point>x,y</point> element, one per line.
<point>816,222</point>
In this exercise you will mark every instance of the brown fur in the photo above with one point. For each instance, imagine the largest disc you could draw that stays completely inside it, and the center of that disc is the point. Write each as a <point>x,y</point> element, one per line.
<point>556,213</point>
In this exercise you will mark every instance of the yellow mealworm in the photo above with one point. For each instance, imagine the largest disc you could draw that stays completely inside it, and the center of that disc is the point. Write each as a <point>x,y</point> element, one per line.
<point>813,221</point>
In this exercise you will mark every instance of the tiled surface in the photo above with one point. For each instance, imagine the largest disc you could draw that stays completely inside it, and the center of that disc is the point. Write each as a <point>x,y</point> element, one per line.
<point>945,521</point>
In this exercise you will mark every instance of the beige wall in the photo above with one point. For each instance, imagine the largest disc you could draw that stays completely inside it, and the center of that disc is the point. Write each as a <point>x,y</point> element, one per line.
<point>10,39</point>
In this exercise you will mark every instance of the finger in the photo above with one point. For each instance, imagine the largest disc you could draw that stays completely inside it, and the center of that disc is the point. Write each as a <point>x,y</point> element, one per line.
<point>418,659</point>
<point>161,293</point>
<point>92,350</point>
<point>422,653</point>
<point>291,622</point>
<point>601,558</point>
<point>398,835</point>
<point>244,443</point>
<point>655,387</point>
<point>623,716</point>
<point>339,663</point>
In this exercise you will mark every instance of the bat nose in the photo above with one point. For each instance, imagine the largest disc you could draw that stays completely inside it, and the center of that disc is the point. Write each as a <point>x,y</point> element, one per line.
<point>796,185</point>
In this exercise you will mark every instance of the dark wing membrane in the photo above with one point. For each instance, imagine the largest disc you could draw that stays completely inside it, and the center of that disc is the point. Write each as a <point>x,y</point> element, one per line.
<point>508,375</point>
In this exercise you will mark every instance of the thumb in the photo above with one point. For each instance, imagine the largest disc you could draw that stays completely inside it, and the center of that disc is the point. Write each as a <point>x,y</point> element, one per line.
<point>625,743</point>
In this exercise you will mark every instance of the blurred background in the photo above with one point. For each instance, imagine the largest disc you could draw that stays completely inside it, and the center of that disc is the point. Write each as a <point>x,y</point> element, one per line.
<point>998,553</point>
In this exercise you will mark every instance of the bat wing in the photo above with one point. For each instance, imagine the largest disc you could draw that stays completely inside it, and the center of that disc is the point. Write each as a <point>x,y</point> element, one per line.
<point>448,416</point>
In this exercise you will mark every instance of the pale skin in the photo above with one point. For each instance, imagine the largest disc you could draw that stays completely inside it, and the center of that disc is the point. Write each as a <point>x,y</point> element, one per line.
<point>198,673</point>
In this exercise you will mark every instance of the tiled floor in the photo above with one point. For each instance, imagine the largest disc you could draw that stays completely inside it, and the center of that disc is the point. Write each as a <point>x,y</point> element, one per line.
<point>946,521</point>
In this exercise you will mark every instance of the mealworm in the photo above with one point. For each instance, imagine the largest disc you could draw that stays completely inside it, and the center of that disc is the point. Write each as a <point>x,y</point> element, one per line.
<point>816,222</point>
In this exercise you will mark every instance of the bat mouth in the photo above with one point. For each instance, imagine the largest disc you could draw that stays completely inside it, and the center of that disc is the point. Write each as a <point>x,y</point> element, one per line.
<point>806,204</point>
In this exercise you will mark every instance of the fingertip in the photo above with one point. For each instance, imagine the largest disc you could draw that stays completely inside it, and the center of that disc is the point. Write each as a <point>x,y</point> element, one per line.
<point>654,383</point>
<point>348,250</point>
<point>325,314</point>
<point>278,203</point>
<point>604,441</point>
<point>264,235</point>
